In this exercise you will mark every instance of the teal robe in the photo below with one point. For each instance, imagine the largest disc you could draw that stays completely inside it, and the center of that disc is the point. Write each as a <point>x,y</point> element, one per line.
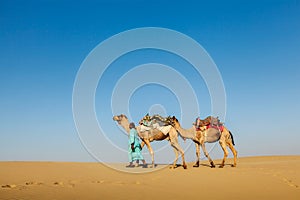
<point>134,138</point>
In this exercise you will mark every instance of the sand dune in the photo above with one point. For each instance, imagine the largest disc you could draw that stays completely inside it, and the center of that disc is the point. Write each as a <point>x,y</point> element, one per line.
<point>274,177</point>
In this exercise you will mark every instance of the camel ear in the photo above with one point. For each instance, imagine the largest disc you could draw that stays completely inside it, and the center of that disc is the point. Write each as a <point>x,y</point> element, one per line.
<point>123,116</point>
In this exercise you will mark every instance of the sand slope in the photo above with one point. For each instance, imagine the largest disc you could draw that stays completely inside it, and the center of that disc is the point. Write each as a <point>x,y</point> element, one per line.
<point>275,177</point>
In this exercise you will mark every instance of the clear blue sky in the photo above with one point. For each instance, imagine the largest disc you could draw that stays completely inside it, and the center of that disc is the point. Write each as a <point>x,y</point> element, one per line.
<point>255,45</point>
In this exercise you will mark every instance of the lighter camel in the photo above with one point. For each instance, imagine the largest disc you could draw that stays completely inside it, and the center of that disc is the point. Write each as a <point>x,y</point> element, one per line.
<point>200,138</point>
<point>154,135</point>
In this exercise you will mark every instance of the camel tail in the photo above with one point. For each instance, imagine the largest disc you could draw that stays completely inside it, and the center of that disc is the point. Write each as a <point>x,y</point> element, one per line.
<point>232,138</point>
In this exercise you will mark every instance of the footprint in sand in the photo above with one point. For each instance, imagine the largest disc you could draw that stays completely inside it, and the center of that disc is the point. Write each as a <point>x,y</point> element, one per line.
<point>9,186</point>
<point>21,187</point>
<point>70,184</point>
<point>33,183</point>
<point>58,183</point>
<point>102,181</point>
<point>290,183</point>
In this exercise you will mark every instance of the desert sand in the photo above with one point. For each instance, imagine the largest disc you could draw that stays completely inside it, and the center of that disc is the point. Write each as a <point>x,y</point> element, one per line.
<point>270,177</point>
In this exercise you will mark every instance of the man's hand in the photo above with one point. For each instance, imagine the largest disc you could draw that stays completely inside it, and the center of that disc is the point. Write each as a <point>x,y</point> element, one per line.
<point>132,147</point>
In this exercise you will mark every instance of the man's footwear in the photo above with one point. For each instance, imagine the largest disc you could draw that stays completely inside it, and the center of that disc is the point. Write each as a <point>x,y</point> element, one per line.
<point>145,165</point>
<point>130,166</point>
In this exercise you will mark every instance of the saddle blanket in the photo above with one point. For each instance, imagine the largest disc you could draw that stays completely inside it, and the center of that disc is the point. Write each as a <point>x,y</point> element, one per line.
<point>164,129</point>
<point>215,127</point>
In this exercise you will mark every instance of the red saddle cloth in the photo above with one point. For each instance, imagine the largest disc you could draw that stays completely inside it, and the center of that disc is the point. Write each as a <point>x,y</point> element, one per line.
<point>216,127</point>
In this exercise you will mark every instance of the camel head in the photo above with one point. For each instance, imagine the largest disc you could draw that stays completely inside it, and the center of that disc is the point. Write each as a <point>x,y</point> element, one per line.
<point>174,122</point>
<point>119,118</point>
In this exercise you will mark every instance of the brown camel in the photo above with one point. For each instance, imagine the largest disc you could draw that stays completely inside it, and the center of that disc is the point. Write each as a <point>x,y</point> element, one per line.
<point>154,135</point>
<point>209,135</point>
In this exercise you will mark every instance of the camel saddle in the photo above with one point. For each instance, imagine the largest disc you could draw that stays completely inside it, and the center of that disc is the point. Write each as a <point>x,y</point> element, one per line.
<point>210,122</point>
<point>158,122</point>
<point>162,121</point>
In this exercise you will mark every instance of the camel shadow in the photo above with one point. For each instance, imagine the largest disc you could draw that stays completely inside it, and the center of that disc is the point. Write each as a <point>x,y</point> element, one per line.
<point>217,165</point>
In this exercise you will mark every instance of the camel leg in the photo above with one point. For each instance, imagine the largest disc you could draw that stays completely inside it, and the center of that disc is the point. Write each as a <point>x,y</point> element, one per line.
<point>142,144</point>
<point>176,157</point>
<point>207,155</point>
<point>197,154</point>
<point>223,145</point>
<point>147,142</point>
<point>175,145</point>
<point>230,145</point>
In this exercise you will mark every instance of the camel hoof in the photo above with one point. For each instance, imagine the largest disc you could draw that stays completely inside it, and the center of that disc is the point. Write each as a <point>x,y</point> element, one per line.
<point>184,167</point>
<point>196,164</point>
<point>212,165</point>
<point>233,165</point>
<point>221,166</point>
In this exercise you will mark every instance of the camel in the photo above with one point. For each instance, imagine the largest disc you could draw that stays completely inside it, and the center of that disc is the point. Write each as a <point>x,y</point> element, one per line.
<point>209,135</point>
<point>154,135</point>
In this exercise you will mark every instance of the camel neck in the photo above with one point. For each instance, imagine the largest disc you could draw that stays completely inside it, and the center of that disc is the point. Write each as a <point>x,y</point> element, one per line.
<point>125,125</point>
<point>187,133</point>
